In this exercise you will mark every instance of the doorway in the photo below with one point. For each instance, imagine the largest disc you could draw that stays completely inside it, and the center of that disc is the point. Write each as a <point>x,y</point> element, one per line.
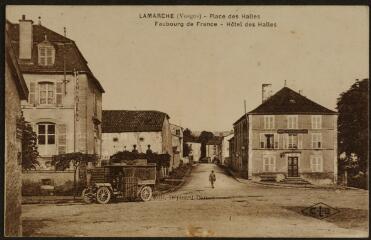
<point>293,168</point>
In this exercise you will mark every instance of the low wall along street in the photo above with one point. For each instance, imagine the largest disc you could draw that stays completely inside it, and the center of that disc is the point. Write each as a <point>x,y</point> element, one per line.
<point>33,180</point>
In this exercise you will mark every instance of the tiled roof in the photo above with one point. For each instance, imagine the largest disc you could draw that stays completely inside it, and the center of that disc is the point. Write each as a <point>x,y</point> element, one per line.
<point>287,101</point>
<point>115,121</point>
<point>66,51</point>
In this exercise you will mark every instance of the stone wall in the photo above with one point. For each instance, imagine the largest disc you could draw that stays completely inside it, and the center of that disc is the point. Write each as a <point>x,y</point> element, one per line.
<point>13,223</point>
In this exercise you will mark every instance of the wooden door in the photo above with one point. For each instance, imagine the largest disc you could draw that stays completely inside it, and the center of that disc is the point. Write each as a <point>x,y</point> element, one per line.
<point>293,167</point>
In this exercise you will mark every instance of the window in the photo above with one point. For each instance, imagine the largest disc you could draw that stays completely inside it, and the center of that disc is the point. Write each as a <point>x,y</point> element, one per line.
<point>269,163</point>
<point>316,163</point>
<point>46,54</point>
<point>268,141</point>
<point>292,122</point>
<point>316,122</point>
<point>316,140</point>
<point>115,139</point>
<point>46,134</point>
<point>292,141</point>
<point>46,93</point>
<point>141,139</point>
<point>268,122</point>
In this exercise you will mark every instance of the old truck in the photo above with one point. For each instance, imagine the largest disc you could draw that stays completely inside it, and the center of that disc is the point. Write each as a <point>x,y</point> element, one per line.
<point>120,181</point>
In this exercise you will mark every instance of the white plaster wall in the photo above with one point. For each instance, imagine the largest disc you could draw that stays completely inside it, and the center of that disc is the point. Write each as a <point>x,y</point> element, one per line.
<point>196,150</point>
<point>128,139</point>
<point>225,147</point>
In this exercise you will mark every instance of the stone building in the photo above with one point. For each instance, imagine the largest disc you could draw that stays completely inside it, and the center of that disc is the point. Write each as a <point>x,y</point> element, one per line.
<point>287,138</point>
<point>16,90</point>
<point>65,99</point>
<point>140,130</point>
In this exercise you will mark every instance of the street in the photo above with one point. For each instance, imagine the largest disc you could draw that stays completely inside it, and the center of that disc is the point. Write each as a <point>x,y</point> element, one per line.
<point>231,209</point>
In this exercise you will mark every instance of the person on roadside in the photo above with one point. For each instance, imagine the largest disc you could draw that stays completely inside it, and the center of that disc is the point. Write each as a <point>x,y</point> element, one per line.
<point>212,178</point>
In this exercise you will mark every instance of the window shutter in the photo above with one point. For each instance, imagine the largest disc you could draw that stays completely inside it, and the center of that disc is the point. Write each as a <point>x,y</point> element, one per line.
<point>300,141</point>
<point>284,140</point>
<point>32,93</point>
<point>62,138</point>
<point>36,94</point>
<point>276,140</point>
<point>34,127</point>
<point>262,122</point>
<point>59,93</point>
<point>262,143</point>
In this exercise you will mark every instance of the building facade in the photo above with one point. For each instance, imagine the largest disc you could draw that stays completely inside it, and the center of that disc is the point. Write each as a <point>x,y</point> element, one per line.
<point>229,162</point>
<point>16,90</point>
<point>214,149</point>
<point>287,136</point>
<point>141,131</point>
<point>226,149</point>
<point>194,151</point>
<point>177,143</point>
<point>64,104</point>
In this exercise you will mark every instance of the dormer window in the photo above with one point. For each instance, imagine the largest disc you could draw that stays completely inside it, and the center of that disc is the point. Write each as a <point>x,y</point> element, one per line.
<point>46,53</point>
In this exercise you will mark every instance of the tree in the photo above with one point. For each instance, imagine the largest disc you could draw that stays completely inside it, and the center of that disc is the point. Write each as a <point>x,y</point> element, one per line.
<point>29,145</point>
<point>187,135</point>
<point>204,137</point>
<point>352,106</point>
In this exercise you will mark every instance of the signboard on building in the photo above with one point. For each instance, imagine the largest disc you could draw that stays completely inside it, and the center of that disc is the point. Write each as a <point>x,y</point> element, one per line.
<point>292,131</point>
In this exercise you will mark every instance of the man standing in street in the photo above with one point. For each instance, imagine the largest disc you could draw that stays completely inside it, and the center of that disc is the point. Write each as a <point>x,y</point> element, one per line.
<point>212,178</point>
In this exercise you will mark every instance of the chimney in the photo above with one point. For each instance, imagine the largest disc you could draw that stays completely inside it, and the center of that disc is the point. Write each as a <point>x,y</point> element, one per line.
<point>25,38</point>
<point>266,91</point>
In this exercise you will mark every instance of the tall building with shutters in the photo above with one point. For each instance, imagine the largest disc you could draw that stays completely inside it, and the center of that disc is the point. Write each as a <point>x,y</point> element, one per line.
<point>287,138</point>
<point>64,103</point>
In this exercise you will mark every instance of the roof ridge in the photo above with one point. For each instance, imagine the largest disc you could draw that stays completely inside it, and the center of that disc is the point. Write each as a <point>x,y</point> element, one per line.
<point>132,120</point>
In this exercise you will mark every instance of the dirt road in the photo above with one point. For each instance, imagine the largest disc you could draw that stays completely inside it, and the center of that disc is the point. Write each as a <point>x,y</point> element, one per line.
<point>232,209</point>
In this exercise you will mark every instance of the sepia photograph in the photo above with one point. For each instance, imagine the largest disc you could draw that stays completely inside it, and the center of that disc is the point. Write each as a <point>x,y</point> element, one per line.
<point>186,121</point>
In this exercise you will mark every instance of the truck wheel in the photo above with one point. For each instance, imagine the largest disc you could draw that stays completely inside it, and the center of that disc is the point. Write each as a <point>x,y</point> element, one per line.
<point>146,193</point>
<point>87,195</point>
<point>103,195</point>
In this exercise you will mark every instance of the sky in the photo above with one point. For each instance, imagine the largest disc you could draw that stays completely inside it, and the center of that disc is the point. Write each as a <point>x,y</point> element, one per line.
<point>200,76</point>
